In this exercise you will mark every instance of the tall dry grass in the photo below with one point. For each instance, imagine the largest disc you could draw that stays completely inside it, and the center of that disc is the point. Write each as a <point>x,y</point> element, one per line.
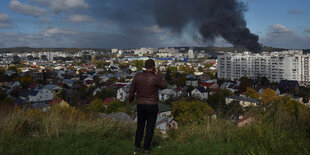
<point>56,121</point>
<point>275,129</point>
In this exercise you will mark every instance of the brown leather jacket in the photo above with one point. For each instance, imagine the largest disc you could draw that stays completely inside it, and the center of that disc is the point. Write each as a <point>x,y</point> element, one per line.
<point>146,84</point>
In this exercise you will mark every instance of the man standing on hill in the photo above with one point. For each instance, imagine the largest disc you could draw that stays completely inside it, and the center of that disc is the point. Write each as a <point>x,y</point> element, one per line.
<point>146,84</point>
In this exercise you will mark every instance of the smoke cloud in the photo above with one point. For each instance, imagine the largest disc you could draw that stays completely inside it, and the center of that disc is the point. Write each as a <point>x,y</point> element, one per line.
<point>212,18</point>
<point>209,19</point>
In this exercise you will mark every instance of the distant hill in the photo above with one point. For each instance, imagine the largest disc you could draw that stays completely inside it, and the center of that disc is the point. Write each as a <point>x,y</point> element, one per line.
<point>185,49</point>
<point>29,49</point>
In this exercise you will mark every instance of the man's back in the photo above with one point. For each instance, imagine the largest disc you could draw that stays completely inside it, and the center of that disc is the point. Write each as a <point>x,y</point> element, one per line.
<point>146,84</point>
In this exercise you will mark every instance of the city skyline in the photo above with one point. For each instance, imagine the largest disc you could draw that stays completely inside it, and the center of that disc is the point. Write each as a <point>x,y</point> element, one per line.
<point>121,24</point>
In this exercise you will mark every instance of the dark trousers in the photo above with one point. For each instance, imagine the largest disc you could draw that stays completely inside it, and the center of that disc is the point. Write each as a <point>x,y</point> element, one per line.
<point>146,114</point>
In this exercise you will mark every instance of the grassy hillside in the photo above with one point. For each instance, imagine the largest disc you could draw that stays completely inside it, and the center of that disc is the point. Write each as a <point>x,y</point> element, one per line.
<point>70,131</point>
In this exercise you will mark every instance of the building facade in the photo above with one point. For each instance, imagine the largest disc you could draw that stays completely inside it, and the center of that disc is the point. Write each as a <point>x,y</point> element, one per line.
<point>276,66</point>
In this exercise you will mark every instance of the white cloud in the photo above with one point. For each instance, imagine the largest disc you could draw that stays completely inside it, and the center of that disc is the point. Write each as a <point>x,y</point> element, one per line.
<point>26,9</point>
<point>5,21</point>
<point>155,29</point>
<point>45,19</point>
<point>280,36</point>
<point>4,17</point>
<point>147,30</point>
<point>278,28</point>
<point>21,39</point>
<point>78,18</point>
<point>49,32</point>
<point>294,11</point>
<point>5,25</point>
<point>48,37</point>
<point>63,5</point>
<point>307,30</point>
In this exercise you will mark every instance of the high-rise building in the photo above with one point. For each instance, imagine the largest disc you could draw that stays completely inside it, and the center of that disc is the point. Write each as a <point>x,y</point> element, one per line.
<point>50,56</point>
<point>114,51</point>
<point>305,69</point>
<point>276,66</point>
<point>191,54</point>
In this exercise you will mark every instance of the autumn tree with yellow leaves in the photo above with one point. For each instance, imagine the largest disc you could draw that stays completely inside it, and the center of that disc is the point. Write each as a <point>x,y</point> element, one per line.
<point>186,112</point>
<point>268,96</point>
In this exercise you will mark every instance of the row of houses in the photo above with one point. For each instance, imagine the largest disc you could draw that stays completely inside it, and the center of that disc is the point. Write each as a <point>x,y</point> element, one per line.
<point>285,87</point>
<point>201,91</point>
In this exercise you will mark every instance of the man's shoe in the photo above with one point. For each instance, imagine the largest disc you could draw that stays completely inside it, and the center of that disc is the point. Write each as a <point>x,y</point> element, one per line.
<point>137,149</point>
<point>145,152</point>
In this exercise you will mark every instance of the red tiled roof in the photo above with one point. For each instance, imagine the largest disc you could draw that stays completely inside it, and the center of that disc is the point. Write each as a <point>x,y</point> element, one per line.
<point>206,84</point>
<point>89,81</point>
<point>243,93</point>
<point>107,100</point>
<point>32,85</point>
<point>120,85</point>
<point>55,101</point>
<point>178,88</point>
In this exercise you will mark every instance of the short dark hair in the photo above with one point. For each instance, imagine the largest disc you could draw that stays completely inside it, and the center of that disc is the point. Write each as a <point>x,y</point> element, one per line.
<point>149,64</point>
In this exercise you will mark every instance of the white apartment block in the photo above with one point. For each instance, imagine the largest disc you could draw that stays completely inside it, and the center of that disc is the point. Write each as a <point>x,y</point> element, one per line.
<point>191,54</point>
<point>143,51</point>
<point>276,66</point>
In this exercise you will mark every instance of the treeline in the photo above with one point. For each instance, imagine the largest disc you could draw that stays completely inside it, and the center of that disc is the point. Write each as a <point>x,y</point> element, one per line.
<point>29,49</point>
<point>206,49</point>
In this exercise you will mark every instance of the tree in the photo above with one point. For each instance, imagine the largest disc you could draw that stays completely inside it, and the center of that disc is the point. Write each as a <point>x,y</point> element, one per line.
<point>25,81</point>
<point>139,64</point>
<point>200,69</point>
<point>207,65</point>
<point>268,96</point>
<point>173,70</point>
<point>211,74</point>
<point>250,92</point>
<point>245,82</point>
<point>292,108</point>
<point>234,108</point>
<point>186,112</point>
<point>179,79</point>
<point>63,94</point>
<point>2,95</point>
<point>217,100</point>
<point>168,76</point>
<point>15,92</point>
<point>264,81</point>
<point>96,106</point>
<point>116,106</point>
<point>186,69</point>
<point>104,93</point>
<point>9,101</point>
<point>13,68</point>
<point>289,106</point>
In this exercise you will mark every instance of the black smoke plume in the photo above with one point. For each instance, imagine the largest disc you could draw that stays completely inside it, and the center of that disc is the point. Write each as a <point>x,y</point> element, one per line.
<point>212,18</point>
<point>208,18</point>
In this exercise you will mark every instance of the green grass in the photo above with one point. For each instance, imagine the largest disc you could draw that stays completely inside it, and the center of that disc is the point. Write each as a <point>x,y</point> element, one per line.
<point>67,144</point>
<point>74,132</point>
<point>97,142</point>
<point>92,144</point>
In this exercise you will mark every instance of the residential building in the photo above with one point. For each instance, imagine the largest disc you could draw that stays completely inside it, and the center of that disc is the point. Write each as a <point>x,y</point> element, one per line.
<point>164,110</point>
<point>167,94</point>
<point>42,95</point>
<point>244,101</point>
<point>54,88</point>
<point>123,93</point>
<point>276,66</point>
<point>200,93</point>
<point>192,82</point>
<point>164,123</point>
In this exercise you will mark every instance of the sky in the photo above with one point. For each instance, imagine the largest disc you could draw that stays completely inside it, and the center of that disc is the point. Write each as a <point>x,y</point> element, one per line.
<point>131,24</point>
